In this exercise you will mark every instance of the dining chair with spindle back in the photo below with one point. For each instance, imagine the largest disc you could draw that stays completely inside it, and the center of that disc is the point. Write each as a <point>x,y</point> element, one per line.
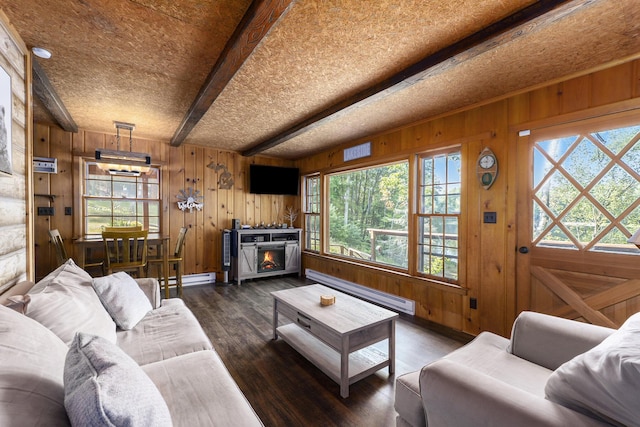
<point>127,228</point>
<point>176,259</point>
<point>126,251</point>
<point>61,251</point>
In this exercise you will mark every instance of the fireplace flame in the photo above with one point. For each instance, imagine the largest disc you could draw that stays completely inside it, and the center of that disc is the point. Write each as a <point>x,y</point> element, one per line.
<point>268,263</point>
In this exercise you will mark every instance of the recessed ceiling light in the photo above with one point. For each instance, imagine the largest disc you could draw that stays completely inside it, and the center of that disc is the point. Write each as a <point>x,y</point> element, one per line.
<point>41,52</point>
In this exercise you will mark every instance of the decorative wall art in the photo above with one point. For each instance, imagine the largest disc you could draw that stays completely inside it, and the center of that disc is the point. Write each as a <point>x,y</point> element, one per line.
<point>190,199</point>
<point>5,122</point>
<point>225,180</point>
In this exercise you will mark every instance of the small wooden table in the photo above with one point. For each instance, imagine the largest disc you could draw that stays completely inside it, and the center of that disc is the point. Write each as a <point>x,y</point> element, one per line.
<point>152,239</point>
<point>339,338</point>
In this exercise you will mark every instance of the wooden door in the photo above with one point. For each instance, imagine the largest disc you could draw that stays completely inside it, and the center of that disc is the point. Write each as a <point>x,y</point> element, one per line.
<point>578,204</point>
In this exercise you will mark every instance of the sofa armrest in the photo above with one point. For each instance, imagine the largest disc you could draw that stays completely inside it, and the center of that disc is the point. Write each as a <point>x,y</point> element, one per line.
<point>550,341</point>
<point>456,395</point>
<point>151,289</point>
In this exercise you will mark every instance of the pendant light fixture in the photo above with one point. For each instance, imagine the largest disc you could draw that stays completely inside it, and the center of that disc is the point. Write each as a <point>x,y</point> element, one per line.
<point>126,163</point>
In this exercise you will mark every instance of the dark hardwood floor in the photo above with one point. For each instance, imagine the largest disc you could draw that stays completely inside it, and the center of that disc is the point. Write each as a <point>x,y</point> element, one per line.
<point>281,385</point>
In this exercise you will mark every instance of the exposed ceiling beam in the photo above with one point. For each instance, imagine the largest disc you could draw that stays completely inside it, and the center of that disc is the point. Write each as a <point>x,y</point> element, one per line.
<point>480,42</point>
<point>44,90</point>
<point>255,24</point>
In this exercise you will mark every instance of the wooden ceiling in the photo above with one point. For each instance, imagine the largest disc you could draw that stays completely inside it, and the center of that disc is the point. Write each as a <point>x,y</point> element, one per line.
<point>291,78</point>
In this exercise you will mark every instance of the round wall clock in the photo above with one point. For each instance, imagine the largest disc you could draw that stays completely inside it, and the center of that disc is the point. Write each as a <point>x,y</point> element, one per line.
<point>487,168</point>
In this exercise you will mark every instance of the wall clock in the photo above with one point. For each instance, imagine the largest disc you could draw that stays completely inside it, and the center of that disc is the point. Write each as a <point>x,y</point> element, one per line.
<point>487,168</point>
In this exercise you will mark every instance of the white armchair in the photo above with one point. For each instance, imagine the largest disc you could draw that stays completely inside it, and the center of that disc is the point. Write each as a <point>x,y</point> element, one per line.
<point>495,381</point>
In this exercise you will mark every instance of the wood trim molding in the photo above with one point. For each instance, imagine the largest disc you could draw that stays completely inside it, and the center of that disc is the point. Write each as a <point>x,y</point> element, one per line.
<point>256,23</point>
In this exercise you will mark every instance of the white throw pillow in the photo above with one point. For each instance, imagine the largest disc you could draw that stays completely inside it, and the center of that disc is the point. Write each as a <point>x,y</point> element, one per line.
<point>603,382</point>
<point>122,297</point>
<point>31,372</point>
<point>68,272</point>
<point>67,307</point>
<point>104,386</point>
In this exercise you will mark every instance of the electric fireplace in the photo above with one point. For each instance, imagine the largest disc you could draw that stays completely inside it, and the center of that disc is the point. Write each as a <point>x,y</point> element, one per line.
<point>262,253</point>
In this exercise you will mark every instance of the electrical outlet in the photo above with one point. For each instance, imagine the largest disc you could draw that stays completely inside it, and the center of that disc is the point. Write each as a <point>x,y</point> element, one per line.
<point>473,303</point>
<point>490,217</point>
<point>45,211</point>
<point>68,210</point>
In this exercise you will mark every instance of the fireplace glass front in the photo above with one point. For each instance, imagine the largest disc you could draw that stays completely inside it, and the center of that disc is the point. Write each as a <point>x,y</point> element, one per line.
<point>271,258</point>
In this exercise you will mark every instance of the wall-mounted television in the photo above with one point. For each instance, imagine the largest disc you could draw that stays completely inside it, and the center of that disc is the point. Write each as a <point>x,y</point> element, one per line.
<point>265,179</point>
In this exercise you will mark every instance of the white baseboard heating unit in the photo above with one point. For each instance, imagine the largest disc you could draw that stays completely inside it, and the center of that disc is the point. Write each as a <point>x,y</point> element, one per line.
<point>195,279</point>
<point>385,299</point>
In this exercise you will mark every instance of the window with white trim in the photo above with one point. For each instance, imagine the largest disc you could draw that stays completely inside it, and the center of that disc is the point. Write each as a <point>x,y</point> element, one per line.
<point>115,200</point>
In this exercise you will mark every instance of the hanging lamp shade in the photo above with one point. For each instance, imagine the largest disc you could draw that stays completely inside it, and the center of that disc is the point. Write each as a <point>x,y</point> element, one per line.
<point>118,162</point>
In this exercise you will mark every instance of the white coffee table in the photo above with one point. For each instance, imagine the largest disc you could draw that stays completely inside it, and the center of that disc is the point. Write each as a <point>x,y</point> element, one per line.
<point>339,338</point>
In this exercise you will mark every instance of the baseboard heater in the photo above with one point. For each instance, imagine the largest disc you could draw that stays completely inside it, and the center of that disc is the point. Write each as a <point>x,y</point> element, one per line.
<point>385,299</point>
<point>195,279</point>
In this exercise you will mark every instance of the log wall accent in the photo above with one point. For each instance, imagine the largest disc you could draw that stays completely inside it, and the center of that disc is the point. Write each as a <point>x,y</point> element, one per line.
<point>16,257</point>
<point>182,167</point>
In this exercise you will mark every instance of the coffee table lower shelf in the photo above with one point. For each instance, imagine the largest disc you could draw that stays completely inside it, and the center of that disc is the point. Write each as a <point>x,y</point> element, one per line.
<point>362,363</point>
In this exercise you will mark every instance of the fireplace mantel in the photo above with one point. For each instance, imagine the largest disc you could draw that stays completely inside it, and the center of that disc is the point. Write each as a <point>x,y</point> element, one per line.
<point>252,248</point>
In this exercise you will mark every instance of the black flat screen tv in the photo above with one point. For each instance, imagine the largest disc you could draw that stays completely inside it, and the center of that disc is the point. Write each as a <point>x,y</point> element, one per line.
<point>273,180</point>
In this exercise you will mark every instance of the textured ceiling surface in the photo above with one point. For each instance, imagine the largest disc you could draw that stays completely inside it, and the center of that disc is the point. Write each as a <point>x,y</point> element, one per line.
<point>144,61</point>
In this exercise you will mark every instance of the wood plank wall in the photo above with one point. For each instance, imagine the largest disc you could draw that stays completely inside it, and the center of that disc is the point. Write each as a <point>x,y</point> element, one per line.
<point>16,258</point>
<point>182,167</point>
<point>489,274</point>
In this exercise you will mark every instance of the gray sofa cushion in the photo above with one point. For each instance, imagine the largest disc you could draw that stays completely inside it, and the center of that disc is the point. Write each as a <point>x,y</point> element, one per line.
<point>123,299</point>
<point>408,402</point>
<point>31,373</point>
<point>165,332</point>
<point>603,382</point>
<point>201,380</point>
<point>551,341</point>
<point>488,354</point>
<point>105,387</point>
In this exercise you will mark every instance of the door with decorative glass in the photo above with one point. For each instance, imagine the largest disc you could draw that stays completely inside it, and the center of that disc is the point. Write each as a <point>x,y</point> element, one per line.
<point>578,205</point>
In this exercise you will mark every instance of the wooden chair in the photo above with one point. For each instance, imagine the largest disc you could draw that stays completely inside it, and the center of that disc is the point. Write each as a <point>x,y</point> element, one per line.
<point>129,228</point>
<point>176,260</point>
<point>125,251</point>
<point>61,251</point>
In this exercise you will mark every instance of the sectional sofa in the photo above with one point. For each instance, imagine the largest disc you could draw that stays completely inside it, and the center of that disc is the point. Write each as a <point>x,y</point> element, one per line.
<point>109,351</point>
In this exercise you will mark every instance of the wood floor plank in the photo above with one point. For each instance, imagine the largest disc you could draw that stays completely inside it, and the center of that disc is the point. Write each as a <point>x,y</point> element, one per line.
<point>282,386</point>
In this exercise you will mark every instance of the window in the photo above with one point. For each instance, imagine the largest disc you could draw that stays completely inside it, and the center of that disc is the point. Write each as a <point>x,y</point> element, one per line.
<point>312,212</point>
<point>439,214</point>
<point>586,190</point>
<point>112,200</point>
<point>368,214</point>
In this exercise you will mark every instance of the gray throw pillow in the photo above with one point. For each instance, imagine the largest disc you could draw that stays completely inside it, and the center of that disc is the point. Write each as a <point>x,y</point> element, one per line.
<point>122,297</point>
<point>104,386</point>
<point>603,382</point>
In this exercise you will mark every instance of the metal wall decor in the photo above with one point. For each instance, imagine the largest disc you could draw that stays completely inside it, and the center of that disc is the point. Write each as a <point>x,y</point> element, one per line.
<point>190,199</point>
<point>225,180</point>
